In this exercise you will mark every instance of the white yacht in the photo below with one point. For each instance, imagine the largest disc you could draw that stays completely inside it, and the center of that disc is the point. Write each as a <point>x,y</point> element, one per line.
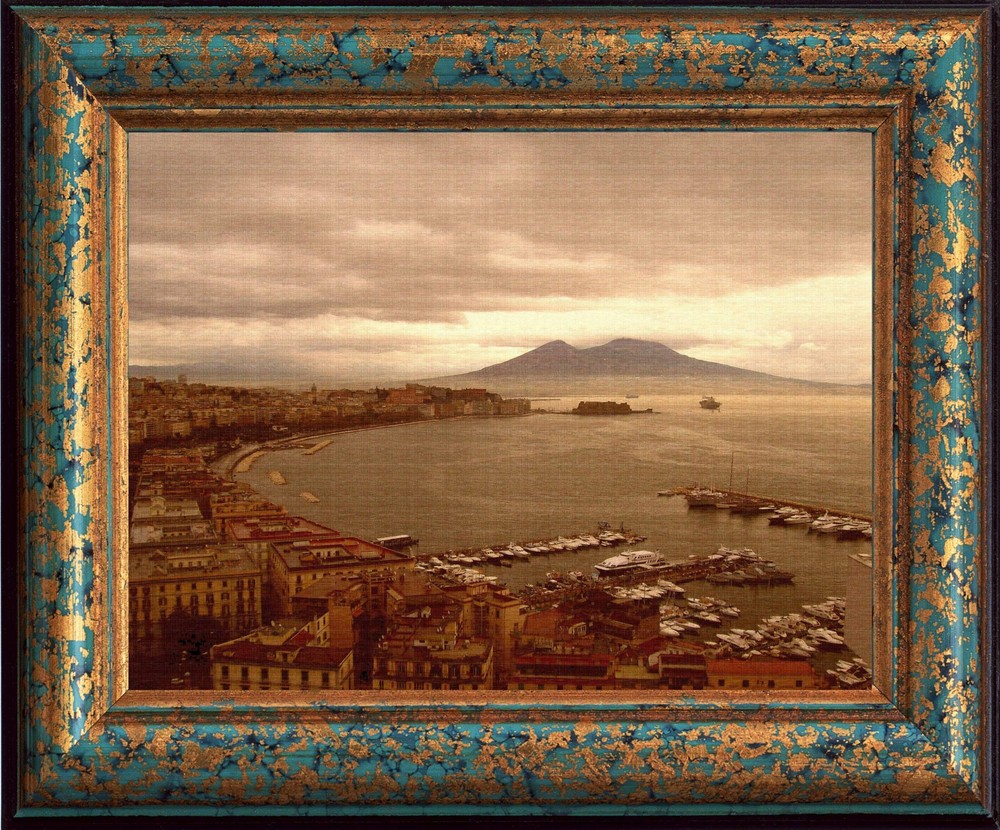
<point>630,561</point>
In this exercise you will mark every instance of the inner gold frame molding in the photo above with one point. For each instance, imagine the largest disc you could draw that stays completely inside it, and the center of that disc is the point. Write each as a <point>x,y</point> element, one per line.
<point>91,76</point>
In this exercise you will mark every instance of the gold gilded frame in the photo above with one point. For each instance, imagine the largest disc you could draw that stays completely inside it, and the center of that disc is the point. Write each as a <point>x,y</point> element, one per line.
<point>77,746</point>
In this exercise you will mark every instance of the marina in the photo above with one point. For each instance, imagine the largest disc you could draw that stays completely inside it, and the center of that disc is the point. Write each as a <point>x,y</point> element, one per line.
<point>470,487</point>
<point>699,497</point>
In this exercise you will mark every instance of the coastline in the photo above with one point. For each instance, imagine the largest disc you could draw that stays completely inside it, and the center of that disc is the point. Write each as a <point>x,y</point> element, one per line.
<point>242,460</point>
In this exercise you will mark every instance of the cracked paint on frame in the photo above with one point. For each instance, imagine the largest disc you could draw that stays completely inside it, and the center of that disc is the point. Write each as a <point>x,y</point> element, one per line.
<point>83,752</point>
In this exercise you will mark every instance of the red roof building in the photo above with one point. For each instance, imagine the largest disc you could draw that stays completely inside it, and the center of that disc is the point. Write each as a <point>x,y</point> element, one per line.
<point>760,674</point>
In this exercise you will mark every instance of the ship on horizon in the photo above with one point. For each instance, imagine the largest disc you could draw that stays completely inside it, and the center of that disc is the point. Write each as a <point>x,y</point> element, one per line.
<point>709,402</point>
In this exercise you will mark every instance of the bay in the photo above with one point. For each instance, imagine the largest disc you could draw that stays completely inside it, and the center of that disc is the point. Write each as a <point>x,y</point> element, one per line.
<point>478,482</point>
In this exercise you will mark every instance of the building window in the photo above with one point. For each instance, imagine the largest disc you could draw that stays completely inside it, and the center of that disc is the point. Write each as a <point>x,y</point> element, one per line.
<point>746,684</point>
<point>722,682</point>
<point>263,673</point>
<point>770,684</point>
<point>798,684</point>
<point>325,679</point>
<point>284,676</point>
<point>225,671</point>
<point>304,676</point>
<point>225,687</point>
<point>244,673</point>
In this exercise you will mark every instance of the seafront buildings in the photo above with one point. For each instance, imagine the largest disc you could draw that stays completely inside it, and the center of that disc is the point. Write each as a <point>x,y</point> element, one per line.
<point>229,591</point>
<point>164,412</point>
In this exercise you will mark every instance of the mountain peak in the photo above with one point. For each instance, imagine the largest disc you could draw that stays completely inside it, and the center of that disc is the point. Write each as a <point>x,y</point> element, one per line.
<point>634,344</point>
<point>624,357</point>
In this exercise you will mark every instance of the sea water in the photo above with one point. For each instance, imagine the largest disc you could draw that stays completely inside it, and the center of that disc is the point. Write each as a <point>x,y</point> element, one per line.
<point>479,482</point>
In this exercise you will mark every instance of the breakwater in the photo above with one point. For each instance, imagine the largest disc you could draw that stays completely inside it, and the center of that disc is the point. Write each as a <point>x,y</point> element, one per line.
<point>741,497</point>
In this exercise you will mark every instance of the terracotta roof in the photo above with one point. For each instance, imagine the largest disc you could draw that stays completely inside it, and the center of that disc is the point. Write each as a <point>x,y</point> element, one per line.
<point>745,668</point>
<point>276,529</point>
<point>302,657</point>
<point>337,552</point>
<point>541,623</point>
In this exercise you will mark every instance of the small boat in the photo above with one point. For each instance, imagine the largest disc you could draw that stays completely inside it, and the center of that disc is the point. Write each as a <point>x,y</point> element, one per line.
<point>709,402</point>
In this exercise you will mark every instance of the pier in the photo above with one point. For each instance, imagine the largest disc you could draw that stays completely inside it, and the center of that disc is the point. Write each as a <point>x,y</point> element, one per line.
<point>315,448</point>
<point>743,498</point>
<point>680,573</point>
<point>602,537</point>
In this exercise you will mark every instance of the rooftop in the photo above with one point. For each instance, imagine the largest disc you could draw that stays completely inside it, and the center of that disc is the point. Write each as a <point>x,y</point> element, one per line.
<point>275,529</point>
<point>190,561</point>
<point>341,551</point>
<point>288,655</point>
<point>762,668</point>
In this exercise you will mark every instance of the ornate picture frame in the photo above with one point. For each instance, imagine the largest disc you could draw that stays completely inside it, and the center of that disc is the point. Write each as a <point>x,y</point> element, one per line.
<point>919,741</point>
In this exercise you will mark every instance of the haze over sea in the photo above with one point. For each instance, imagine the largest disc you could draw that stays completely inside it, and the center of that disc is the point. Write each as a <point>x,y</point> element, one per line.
<point>477,482</point>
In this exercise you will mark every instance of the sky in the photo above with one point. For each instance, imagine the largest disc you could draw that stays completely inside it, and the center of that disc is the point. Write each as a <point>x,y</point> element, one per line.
<point>366,257</point>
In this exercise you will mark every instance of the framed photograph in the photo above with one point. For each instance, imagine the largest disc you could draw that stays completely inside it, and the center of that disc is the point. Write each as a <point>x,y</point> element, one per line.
<point>564,411</point>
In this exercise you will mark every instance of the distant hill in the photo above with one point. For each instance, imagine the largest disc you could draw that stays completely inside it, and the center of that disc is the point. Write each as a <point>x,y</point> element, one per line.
<point>623,358</point>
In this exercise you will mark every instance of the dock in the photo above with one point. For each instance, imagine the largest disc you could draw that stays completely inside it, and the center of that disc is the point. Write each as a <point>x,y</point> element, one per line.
<point>315,448</point>
<point>693,570</point>
<point>744,498</point>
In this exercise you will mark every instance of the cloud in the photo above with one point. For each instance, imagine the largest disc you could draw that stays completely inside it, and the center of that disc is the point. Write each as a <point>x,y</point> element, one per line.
<point>492,241</point>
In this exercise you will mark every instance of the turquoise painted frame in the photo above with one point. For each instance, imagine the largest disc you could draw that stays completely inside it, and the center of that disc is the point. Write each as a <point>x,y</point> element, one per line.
<point>914,78</point>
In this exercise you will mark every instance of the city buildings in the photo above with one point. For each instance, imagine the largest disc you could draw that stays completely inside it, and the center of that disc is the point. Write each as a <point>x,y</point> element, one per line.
<point>229,591</point>
<point>292,654</point>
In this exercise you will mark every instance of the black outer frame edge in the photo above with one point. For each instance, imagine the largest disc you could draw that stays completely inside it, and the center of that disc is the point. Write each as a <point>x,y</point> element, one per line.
<point>10,613</point>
